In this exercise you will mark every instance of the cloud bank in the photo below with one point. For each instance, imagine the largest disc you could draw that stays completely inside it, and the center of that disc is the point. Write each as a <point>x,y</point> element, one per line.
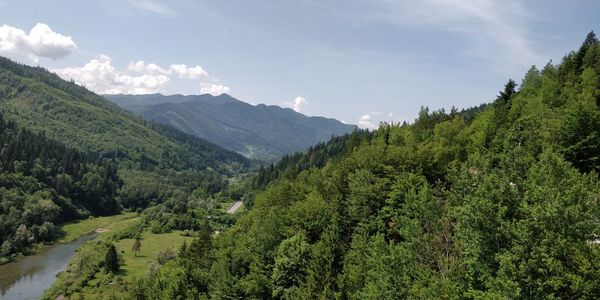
<point>100,76</point>
<point>214,89</point>
<point>41,42</point>
<point>140,77</point>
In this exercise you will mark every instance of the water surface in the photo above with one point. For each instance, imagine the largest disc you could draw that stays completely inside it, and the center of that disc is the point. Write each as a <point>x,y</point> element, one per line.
<point>29,276</point>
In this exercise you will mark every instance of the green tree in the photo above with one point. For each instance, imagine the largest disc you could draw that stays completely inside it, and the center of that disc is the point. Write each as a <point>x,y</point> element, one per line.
<point>580,137</point>
<point>111,260</point>
<point>290,265</point>
<point>201,246</point>
<point>324,266</point>
<point>137,245</point>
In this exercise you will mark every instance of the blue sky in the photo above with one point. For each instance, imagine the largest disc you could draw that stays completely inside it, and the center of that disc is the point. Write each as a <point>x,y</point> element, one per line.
<point>359,61</point>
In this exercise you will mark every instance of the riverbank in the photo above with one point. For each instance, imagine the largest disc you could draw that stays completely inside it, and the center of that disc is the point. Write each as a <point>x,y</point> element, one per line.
<point>74,230</point>
<point>84,275</point>
<point>28,276</point>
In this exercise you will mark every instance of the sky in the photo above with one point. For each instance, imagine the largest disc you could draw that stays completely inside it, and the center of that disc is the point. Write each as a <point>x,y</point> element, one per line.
<point>359,61</point>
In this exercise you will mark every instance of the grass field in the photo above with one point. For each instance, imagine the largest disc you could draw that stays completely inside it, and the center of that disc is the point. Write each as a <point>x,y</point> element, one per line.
<point>136,266</point>
<point>133,266</point>
<point>111,223</point>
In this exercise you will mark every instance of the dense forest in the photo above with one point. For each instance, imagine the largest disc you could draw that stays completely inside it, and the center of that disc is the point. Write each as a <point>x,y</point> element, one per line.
<point>497,202</point>
<point>493,202</point>
<point>44,182</point>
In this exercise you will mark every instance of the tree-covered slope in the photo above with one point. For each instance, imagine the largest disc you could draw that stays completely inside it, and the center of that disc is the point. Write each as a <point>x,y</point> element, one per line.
<point>67,154</point>
<point>44,183</point>
<point>501,202</point>
<point>41,101</point>
<point>259,132</point>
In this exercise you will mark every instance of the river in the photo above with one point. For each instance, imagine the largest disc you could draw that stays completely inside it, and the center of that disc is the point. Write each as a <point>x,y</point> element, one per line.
<point>29,276</point>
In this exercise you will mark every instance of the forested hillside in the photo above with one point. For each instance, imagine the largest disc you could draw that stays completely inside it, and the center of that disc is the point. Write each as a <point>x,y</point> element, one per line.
<point>43,183</point>
<point>257,131</point>
<point>68,154</point>
<point>41,101</point>
<point>500,202</point>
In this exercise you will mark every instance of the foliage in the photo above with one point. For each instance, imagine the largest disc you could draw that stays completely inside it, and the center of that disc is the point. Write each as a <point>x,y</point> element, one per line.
<point>496,202</point>
<point>111,260</point>
<point>43,183</point>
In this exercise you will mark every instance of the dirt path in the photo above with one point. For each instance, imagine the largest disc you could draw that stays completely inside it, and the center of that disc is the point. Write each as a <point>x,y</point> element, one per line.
<point>235,207</point>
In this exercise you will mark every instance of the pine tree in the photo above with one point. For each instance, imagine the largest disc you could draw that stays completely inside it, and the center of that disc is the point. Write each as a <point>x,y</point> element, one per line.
<point>509,91</point>
<point>111,261</point>
<point>202,245</point>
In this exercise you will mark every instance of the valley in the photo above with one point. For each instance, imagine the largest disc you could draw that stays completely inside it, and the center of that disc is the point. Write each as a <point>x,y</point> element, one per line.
<point>114,185</point>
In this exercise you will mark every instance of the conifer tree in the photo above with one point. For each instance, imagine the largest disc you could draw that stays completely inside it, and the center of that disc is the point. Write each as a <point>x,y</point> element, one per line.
<point>111,260</point>
<point>201,246</point>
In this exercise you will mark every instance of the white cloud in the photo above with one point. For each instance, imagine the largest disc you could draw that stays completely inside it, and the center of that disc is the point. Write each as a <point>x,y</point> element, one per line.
<point>366,122</point>
<point>372,120</point>
<point>299,104</point>
<point>214,89</point>
<point>140,77</point>
<point>182,70</point>
<point>40,42</point>
<point>100,76</point>
<point>142,67</point>
<point>189,72</point>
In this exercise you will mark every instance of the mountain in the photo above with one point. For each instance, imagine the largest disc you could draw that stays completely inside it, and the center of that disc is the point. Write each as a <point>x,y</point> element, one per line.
<point>41,101</point>
<point>256,131</point>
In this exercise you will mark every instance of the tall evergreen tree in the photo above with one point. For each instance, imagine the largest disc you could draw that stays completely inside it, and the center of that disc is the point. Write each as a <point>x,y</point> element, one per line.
<point>202,245</point>
<point>111,260</point>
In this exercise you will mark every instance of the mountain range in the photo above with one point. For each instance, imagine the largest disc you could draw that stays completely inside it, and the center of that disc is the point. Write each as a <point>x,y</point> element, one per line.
<point>263,132</point>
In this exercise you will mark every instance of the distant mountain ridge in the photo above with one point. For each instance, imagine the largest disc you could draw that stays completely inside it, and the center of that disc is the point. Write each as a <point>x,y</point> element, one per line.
<point>263,132</point>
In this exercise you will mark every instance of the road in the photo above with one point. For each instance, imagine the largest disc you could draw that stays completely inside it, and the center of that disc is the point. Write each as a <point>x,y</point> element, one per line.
<point>235,207</point>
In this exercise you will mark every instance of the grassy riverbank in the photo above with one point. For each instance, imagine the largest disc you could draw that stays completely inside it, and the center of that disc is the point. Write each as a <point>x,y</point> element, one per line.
<point>135,266</point>
<point>109,223</point>
<point>84,275</point>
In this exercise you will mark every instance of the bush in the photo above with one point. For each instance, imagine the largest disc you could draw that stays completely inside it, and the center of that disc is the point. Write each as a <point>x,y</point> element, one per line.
<point>165,255</point>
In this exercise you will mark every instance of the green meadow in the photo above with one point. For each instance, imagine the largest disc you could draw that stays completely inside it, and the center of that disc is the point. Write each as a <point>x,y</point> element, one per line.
<point>103,224</point>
